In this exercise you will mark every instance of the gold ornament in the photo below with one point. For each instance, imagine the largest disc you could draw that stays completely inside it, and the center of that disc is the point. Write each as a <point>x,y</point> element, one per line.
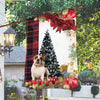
<point>64,12</point>
<point>34,86</point>
<point>30,86</point>
<point>35,19</point>
<point>74,35</point>
<point>71,68</point>
<point>51,85</point>
<point>26,84</point>
<point>71,63</point>
<point>63,68</point>
<point>66,86</point>
<point>60,79</point>
<point>75,71</point>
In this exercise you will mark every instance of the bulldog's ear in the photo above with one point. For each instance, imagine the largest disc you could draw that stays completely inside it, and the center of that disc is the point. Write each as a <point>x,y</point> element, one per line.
<point>43,57</point>
<point>34,57</point>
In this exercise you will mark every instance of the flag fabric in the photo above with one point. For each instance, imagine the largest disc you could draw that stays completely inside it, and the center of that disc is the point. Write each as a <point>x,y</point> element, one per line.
<point>38,39</point>
<point>32,45</point>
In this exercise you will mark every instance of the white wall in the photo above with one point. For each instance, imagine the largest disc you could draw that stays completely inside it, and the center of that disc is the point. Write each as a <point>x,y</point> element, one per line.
<point>2,14</point>
<point>15,72</point>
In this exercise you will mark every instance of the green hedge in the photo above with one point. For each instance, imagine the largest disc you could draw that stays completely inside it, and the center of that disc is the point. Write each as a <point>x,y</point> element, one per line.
<point>95,90</point>
<point>87,76</point>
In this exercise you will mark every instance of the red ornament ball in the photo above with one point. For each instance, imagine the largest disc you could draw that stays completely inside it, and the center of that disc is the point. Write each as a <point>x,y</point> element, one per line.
<point>63,83</point>
<point>56,82</point>
<point>53,80</point>
<point>46,83</point>
<point>73,82</point>
<point>33,82</point>
<point>39,81</point>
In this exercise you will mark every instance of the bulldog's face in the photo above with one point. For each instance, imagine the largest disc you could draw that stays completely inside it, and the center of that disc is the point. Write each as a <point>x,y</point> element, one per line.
<point>38,60</point>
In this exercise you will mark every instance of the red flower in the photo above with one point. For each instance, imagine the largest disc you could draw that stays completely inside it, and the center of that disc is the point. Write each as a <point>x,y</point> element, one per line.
<point>42,17</point>
<point>74,28</point>
<point>51,24</point>
<point>60,24</point>
<point>71,13</point>
<point>47,20</point>
<point>63,16</point>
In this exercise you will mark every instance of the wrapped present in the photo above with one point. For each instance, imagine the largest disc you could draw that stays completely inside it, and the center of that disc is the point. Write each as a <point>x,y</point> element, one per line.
<point>63,68</point>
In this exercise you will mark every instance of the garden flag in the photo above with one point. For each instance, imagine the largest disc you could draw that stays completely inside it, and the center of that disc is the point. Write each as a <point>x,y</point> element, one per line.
<point>51,59</point>
<point>32,45</point>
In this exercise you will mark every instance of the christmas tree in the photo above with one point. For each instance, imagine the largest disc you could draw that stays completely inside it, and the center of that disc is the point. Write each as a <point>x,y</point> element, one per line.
<point>47,49</point>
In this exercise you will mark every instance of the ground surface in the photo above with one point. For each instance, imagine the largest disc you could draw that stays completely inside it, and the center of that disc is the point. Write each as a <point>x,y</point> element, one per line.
<point>74,98</point>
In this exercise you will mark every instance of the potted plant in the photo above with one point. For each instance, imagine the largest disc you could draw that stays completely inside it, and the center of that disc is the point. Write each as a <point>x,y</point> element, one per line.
<point>94,90</point>
<point>98,75</point>
<point>87,76</point>
<point>78,88</point>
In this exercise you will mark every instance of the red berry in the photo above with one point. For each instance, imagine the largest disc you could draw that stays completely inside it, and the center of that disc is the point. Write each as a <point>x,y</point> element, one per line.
<point>69,34</point>
<point>57,86</point>
<point>71,39</point>
<point>73,44</point>
<point>41,87</point>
